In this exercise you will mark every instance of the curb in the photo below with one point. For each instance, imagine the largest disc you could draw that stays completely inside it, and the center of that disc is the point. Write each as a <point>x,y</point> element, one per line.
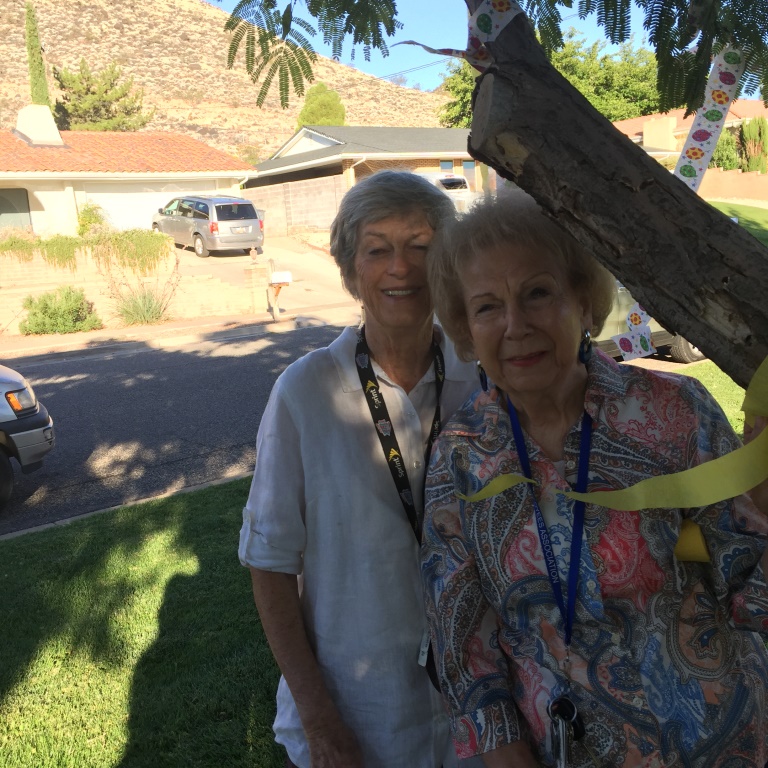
<point>305,317</point>
<point>67,520</point>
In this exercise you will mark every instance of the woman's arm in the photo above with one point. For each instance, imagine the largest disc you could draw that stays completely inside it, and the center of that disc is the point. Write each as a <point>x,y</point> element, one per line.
<point>331,744</point>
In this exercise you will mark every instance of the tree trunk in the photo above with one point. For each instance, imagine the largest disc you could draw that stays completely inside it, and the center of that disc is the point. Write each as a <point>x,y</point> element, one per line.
<point>690,266</point>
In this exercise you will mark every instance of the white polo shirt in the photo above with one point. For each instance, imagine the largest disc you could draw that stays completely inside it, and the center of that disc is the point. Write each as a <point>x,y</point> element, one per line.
<point>323,504</point>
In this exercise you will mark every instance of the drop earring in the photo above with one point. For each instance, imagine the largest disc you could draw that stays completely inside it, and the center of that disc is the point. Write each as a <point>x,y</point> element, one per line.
<point>483,376</point>
<point>585,347</point>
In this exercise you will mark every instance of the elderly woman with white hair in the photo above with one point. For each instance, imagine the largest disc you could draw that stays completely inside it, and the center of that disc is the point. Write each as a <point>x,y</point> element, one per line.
<point>333,519</point>
<point>568,633</point>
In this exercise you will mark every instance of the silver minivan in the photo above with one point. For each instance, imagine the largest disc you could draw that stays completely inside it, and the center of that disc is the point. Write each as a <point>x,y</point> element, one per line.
<point>212,223</point>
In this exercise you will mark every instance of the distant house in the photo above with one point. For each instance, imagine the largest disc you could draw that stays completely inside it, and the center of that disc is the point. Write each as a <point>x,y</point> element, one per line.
<point>663,135</point>
<point>47,176</point>
<point>302,184</point>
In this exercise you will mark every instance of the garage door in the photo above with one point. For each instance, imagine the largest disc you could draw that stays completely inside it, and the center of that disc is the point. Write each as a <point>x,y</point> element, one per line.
<point>133,208</point>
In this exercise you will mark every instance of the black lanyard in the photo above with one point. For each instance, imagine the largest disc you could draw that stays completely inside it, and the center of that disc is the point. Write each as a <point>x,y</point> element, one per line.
<point>386,431</point>
<point>567,612</point>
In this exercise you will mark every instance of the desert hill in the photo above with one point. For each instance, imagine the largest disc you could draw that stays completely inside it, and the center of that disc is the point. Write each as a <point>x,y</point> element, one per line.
<point>176,51</point>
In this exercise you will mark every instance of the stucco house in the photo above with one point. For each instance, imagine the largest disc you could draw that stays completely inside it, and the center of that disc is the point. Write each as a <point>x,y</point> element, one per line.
<point>663,135</point>
<point>46,176</point>
<point>302,184</point>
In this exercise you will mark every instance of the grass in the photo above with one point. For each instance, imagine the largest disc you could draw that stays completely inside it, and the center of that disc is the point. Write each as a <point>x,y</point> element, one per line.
<point>142,305</point>
<point>729,394</point>
<point>754,220</point>
<point>130,639</point>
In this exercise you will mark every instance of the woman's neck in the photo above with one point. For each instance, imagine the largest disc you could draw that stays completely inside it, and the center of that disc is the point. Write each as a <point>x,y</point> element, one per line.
<point>404,357</point>
<point>548,416</point>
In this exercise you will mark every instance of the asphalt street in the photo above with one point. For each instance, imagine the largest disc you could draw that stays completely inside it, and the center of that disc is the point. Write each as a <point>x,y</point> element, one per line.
<point>142,422</point>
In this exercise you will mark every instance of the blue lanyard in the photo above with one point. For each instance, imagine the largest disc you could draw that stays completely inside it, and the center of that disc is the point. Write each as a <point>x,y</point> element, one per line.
<point>578,520</point>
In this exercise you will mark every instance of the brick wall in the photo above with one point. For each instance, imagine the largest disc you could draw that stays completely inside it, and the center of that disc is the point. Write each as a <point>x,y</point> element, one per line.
<point>195,296</point>
<point>298,206</point>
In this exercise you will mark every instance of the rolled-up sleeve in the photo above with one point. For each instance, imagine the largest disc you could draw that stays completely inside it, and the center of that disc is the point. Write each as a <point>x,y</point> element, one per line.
<point>273,536</point>
<point>474,672</point>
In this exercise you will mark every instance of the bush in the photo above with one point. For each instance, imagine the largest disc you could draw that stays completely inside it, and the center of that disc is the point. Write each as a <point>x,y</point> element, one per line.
<point>90,216</point>
<point>141,306</point>
<point>65,310</point>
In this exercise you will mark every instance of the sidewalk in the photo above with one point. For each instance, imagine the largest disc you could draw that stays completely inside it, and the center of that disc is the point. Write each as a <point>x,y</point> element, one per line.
<point>315,297</point>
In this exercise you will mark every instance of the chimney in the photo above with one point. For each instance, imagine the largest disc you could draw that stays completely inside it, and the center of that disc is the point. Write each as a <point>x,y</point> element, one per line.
<point>36,126</point>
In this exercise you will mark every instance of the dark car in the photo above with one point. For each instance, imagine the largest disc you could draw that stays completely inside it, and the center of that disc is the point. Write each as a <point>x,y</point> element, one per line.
<point>26,429</point>
<point>212,223</point>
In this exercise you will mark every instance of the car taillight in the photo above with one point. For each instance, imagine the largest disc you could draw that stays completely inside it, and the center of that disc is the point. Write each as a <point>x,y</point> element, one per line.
<point>213,226</point>
<point>261,224</point>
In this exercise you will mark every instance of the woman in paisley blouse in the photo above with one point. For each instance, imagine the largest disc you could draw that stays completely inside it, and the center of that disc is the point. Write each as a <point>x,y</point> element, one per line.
<point>649,661</point>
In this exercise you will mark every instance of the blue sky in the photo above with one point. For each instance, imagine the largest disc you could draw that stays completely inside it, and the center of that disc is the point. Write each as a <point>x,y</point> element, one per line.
<point>439,24</point>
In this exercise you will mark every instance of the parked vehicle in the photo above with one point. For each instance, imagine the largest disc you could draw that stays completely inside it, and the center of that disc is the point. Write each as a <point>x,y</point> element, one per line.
<point>26,429</point>
<point>212,223</point>
<point>681,350</point>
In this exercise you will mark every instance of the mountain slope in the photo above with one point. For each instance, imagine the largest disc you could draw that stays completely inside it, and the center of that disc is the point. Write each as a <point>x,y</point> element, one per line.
<point>176,51</point>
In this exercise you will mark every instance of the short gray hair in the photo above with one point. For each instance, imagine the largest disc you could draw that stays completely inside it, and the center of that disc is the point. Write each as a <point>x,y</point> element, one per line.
<point>511,220</point>
<point>377,197</point>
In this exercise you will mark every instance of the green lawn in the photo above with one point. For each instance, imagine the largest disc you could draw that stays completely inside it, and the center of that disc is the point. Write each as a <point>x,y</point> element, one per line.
<point>754,220</point>
<point>729,394</point>
<point>130,639</point>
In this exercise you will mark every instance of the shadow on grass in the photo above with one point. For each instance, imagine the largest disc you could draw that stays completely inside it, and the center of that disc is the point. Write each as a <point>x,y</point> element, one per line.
<point>202,680</point>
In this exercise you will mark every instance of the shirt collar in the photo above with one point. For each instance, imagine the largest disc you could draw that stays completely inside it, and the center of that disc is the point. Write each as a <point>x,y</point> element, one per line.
<point>343,350</point>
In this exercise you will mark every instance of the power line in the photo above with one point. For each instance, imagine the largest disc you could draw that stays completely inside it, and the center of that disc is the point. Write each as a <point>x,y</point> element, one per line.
<point>414,69</point>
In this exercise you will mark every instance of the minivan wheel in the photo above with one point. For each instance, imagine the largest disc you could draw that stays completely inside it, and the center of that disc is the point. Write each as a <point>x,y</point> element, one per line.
<point>682,351</point>
<point>6,478</point>
<point>200,248</point>
<point>155,228</point>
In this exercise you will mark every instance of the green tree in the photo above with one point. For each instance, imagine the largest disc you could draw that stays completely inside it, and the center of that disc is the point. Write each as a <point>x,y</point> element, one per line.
<point>726,154</point>
<point>621,85</point>
<point>322,106</point>
<point>38,82</point>
<point>98,101</point>
<point>754,145</point>
<point>460,83</point>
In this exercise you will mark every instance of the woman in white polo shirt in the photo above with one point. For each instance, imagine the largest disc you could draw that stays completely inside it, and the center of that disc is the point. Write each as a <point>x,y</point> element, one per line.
<point>332,523</point>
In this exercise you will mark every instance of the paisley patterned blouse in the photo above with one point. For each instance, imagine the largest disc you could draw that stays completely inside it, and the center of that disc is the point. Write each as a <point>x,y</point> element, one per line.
<point>668,662</point>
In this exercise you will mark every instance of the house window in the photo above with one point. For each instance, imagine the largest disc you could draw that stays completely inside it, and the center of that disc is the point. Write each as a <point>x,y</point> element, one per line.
<point>14,209</point>
<point>468,167</point>
<point>446,166</point>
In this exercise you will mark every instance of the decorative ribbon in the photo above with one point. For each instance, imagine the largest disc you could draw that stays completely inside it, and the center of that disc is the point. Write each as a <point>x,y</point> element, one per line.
<point>709,483</point>
<point>485,25</point>
<point>722,86</point>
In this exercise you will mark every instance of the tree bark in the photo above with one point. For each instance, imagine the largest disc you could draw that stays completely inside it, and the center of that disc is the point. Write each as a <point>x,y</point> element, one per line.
<point>691,267</point>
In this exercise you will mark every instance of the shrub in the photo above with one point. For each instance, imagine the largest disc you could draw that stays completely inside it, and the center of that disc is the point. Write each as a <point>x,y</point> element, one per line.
<point>65,310</point>
<point>90,216</point>
<point>142,305</point>
<point>138,250</point>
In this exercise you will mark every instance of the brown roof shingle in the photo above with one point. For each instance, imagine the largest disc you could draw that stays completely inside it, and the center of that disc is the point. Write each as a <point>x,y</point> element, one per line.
<point>115,152</point>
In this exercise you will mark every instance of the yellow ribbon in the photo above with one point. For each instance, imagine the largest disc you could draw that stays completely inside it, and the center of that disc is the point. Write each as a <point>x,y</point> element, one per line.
<point>722,478</point>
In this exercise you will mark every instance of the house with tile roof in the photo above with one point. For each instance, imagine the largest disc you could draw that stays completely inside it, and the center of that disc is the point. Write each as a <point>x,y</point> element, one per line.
<point>46,176</point>
<point>301,185</point>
